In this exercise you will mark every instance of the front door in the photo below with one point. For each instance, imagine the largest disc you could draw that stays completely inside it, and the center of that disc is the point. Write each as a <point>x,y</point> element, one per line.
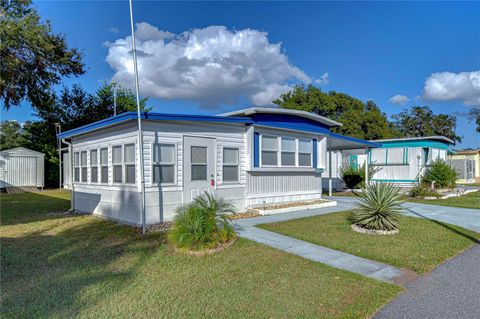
<point>198,166</point>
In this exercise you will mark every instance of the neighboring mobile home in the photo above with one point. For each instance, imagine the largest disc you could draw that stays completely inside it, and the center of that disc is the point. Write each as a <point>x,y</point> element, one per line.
<point>21,167</point>
<point>402,160</point>
<point>467,165</point>
<point>252,157</point>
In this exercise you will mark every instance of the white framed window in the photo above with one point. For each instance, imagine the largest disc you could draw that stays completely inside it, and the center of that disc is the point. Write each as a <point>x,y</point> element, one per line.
<point>117,165</point>
<point>129,161</point>
<point>198,160</point>
<point>76,167</point>
<point>269,150</point>
<point>83,166</point>
<point>104,165</point>
<point>289,148</point>
<point>164,163</point>
<point>230,164</point>
<point>93,166</point>
<point>305,150</point>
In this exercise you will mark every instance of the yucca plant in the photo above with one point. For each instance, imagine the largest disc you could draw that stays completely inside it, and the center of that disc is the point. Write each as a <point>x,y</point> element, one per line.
<point>378,207</point>
<point>202,224</point>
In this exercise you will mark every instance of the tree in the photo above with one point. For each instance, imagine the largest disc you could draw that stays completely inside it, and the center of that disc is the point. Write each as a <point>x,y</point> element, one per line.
<point>34,59</point>
<point>11,135</point>
<point>420,121</point>
<point>72,108</point>
<point>359,119</point>
<point>474,115</point>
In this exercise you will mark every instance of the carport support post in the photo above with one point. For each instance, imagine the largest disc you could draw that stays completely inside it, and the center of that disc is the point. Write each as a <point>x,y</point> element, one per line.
<point>330,173</point>
<point>366,166</point>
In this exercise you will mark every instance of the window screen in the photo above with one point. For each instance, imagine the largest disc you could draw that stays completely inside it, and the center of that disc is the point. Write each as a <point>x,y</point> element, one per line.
<point>129,160</point>
<point>230,164</point>
<point>288,151</point>
<point>269,150</point>
<point>163,163</point>
<point>304,152</point>
<point>93,166</point>
<point>104,165</point>
<point>83,164</point>
<point>117,164</point>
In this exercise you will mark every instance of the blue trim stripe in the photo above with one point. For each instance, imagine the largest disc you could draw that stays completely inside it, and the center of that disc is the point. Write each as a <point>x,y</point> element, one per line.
<point>314,164</point>
<point>256,149</point>
<point>424,143</point>
<point>127,116</point>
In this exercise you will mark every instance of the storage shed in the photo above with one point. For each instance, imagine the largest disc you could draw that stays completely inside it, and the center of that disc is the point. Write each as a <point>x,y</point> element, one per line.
<point>467,165</point>
<point>21,167</point>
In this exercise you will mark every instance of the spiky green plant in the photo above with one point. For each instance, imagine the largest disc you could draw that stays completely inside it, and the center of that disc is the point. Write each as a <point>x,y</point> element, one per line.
<point>378,207</point>
<point>202,224</point>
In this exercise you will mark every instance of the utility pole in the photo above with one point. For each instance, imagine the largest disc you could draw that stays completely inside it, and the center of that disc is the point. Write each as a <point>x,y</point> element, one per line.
<point>114,85</point>
<point>140,133</point>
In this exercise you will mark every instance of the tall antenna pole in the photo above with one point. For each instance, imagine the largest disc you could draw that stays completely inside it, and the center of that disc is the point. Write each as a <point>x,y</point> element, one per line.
<point>114,84</point>
<point>140,133</point>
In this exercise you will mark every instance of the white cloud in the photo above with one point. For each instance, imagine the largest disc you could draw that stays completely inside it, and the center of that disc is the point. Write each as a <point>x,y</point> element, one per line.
<point>448,86</point>
<point>398,99</point>
<point>212,66</point>
<point>323,80</point>
<point>113,30</point>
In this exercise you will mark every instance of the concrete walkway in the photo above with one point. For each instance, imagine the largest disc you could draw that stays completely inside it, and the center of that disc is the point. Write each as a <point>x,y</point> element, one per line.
<point>463,217</point>
<point>246,229</point>
<point>452,290</point>
<point>466,218</point>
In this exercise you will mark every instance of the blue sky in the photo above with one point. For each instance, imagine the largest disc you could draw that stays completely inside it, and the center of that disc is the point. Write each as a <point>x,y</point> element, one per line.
<point>369,50</point>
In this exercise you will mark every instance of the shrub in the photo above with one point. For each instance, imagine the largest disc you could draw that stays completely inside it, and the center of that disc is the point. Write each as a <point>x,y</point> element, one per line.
<point>443,174</point>
<point>423,190</point>
<point>378,207</point>
<point>203,224</point>
<point>353,177</point>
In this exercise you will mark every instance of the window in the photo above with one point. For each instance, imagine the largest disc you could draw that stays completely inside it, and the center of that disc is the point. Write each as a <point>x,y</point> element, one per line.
<point>83,164</point>
<point>117,163</point>
<point>305,152</point>
<point>396,155</point>
<point>230,164</point>
<point>76,164</point>
<point>269,150</point>
<point>199,163</point>
<point>288,151</point>
<point>129,160</point>
<point>104,165</point>
<point>163,163</point>
<point>93,166</point>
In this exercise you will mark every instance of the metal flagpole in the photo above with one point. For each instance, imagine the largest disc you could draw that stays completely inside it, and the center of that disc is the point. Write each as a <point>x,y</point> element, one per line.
<point>140,133</point>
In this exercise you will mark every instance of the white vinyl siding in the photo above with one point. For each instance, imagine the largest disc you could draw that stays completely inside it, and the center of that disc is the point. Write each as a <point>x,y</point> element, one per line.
<point>230,164</point>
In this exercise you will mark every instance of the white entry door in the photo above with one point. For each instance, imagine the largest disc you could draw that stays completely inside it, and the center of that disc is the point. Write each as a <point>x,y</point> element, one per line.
<point>198,166</point>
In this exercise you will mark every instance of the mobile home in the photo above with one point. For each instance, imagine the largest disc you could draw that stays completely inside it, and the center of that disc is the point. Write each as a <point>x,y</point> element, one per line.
<point>252,157</point>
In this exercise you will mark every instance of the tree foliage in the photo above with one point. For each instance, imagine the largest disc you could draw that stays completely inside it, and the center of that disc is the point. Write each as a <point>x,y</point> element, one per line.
<point>33,58</point>
<point>421,121</point>
<point>11,135</point>
<point>474,115</point>
<point>359,119</point>
<point>71,108</point>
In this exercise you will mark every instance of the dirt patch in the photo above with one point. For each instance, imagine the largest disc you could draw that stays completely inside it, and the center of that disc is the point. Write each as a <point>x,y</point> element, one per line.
<point>247,214</point>
<point>204,252</point>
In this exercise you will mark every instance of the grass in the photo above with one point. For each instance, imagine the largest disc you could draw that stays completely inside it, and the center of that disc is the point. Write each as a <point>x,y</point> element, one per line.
<point>82,266</point>
<point>470,200</point>
<point>420,246</point>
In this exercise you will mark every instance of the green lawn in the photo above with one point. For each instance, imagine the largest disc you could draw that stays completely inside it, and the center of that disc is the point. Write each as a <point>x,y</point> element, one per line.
<point>82,266</point>
<point>420,246</point>
<point>471,200</point>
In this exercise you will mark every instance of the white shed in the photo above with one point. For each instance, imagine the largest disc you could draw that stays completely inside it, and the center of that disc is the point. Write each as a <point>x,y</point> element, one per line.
<point>21,167</point>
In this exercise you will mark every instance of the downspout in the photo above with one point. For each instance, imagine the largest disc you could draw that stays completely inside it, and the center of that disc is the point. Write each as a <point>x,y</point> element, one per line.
<point>70,157</point>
